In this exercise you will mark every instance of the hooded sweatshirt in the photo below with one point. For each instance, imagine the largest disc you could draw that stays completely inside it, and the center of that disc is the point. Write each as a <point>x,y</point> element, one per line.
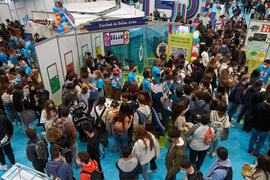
<point>90,168</point>
<point>175,155</point>
<point>128,169</point>
<point>218,174</point>
<point>59,168</point>
<point>145,110</point>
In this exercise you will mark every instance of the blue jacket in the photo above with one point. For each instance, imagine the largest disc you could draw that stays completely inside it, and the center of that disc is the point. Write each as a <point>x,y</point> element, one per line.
<point>218,174</point>
<point>59,168</point>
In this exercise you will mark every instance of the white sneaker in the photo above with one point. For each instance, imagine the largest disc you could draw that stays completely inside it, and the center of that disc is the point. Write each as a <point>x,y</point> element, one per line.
<point>43,133</point>
<point>213,154</point>
<point>4,167</point>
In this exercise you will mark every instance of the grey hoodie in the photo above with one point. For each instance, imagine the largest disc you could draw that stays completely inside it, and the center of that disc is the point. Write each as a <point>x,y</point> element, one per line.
<point>145,110</point>
<point>129,170</point>
<point>129,165</point>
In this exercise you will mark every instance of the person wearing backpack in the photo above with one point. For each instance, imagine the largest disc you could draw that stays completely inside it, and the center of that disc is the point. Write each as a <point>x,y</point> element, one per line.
<point>191,173</point>
<point>198,108</point>
<point>89,168</point>
<point>129,167</point>
<point>200,138</point>
<point>69,131</point>
<point>221,169</point>
<point>93,143</point>
<point>6,133</point>
<point>143,113</point>
<point>99,113</point>
<point>37,150</point>
<point>236,95</point>
<point>57,168</point>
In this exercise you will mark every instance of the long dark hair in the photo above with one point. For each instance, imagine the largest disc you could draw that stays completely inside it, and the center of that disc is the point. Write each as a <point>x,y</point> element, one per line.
<point>150,127</point>
<point>18,100</point>
<point>178,109</point>
<point>263,164</point>
<point>46,108</point>
<point>123,112</point>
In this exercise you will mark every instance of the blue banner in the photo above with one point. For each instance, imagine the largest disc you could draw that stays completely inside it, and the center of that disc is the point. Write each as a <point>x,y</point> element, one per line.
<point>119,23</point>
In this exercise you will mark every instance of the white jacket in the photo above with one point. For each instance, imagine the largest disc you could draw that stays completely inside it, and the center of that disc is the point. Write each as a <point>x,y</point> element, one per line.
<point>205,58</point>
<point>144,154</point>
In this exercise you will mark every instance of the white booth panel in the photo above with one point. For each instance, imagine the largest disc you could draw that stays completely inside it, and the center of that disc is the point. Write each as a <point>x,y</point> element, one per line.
<point>69,53</point>
<point>51,71</point>
<point>4,13</point>
<point>97,44</point>
<point>84,45</point>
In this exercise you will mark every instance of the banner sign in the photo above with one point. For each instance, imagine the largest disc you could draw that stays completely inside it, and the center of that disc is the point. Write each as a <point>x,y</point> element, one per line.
<point>180,44</point>
<point>119,23</point>
<point>69,17</point>
<point>116,38</point>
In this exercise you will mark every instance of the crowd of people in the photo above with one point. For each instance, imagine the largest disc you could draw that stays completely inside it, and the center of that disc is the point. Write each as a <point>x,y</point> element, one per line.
<point>198,99</point>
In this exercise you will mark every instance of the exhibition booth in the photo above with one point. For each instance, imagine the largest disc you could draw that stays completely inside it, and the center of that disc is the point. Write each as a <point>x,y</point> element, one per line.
<point>137,39</point>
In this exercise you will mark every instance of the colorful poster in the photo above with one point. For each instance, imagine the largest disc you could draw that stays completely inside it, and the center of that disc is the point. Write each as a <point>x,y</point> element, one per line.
<point>116,38</point>
<point>69,62</point>
<point>180,44</point>
<point>206,8</point>
<point>53,77</point>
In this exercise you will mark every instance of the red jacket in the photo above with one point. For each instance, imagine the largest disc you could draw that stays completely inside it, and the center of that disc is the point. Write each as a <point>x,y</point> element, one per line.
<point>90,167</point>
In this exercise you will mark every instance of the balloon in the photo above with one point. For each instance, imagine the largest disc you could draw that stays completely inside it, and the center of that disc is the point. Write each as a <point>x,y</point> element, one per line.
<point>196,35</point>
<point>66,27</point>
<point>61,13</point>
<point>193,58</point>
<point>197,41</point>
<point>63,24</point>
<point>64,19</point>
<point>60,29</point>
<point>58,18</point>
<point>195,44</point>
<point>198,32</point>
<point>70,27</point>
<point>56,14</point>
<point>68,24</point>
<point>194,54</point>
<point>55,9</point>
<point>194,49</point>
<point>59,23</point>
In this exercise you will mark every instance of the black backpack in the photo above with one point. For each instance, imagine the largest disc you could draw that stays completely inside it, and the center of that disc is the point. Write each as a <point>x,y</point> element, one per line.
<point>99,123</point>
<point>198,112</point>
<point>41,148</point>
<point>229,175</point>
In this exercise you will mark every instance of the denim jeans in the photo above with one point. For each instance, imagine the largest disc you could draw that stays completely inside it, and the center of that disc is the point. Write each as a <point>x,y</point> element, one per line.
<point>144,172</point>
<point>26,126</point>
<point>10,112</point>
<point>74,150</point>
<point>255,134</point>
<point>120,141</point>
<point>243,112</point>
<point>232,110</point>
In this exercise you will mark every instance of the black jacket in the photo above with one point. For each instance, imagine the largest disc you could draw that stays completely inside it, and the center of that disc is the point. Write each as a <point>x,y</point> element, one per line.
<point>93,146</point>
<point>261,114</point>
<point>6,124</point>
<point>32,154</point>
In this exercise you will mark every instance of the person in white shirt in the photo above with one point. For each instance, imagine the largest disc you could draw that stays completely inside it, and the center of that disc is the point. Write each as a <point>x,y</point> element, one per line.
<point>144,148</point>
<point>49,114</point>
<point>205,57</point>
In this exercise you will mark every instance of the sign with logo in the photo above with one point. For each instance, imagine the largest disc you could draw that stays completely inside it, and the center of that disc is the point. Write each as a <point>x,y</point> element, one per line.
<point>119,23</point>
<point>116,38</point>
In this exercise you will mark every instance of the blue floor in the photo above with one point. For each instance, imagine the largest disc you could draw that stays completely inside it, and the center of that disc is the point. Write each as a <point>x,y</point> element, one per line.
<point>236,144</point>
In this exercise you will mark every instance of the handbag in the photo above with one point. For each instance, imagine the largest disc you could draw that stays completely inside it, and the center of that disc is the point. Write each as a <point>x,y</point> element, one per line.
<point>225,134</point>
<point>28,116</point>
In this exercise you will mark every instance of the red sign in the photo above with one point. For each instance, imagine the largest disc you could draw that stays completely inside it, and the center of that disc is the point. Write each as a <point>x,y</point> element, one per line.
<point>265,28</point>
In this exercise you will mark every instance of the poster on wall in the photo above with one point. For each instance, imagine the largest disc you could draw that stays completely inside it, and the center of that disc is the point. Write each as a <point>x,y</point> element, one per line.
<point>257,43</point>
<point>180,44</point>
<point>98,45</point>
<point>68,56</point>
<point>84,49</point>
<point>53,77</point>
<point>116,38</point>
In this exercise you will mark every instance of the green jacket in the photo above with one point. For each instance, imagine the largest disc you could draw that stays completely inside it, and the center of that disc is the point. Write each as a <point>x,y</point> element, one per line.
<point>175,155</point>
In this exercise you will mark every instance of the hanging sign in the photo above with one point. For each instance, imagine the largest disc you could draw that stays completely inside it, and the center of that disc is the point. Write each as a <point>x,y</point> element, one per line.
<point>53,78</point>
<point>116,38</point>
<point>118,23</point>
